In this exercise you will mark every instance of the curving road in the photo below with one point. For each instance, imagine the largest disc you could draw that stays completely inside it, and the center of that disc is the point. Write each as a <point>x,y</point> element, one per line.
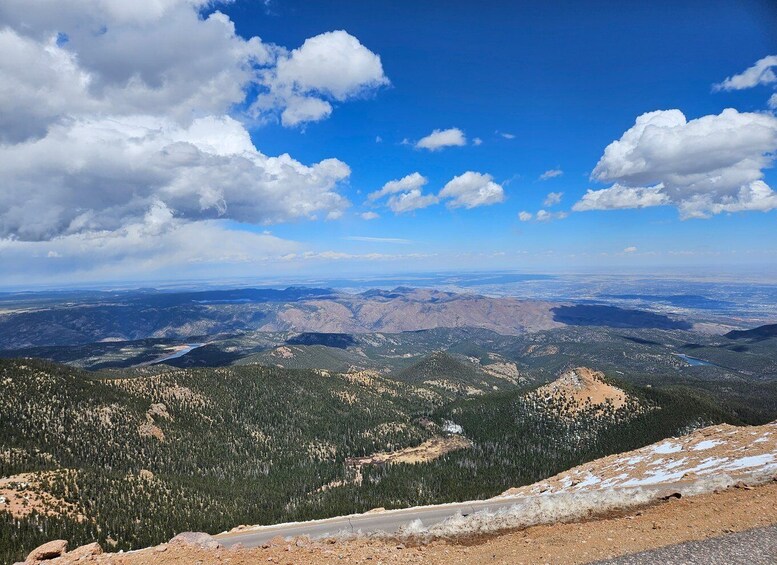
<point>395,521</point>
<point>389,521</point>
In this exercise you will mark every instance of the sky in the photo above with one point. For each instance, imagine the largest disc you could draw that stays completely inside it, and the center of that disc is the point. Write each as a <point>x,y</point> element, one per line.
<point>163,140</point>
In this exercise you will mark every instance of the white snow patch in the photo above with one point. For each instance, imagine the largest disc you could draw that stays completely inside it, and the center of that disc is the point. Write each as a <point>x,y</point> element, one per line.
<point>706,444</point>
<point>749,462</point>
<point>452,427</point>
<point>667,447</point>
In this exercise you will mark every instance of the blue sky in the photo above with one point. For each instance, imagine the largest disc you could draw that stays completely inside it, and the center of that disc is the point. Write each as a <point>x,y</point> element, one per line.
<point>541,86</point>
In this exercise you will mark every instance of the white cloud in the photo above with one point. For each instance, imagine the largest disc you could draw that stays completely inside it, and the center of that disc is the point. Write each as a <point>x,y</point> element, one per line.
<point>704,166</point>
<point>330,66</point>
<point>410,182</point>
<point>760,73</point>
<point>630,249</point>
<point>156,246</point>
<point>506,135</point>
<point>406,194</point>
<point>553,198</point>
<point>525,216</point>
<point>112,57</point>
<point>773,101</point>
<point>153,57</point>
<point>378,139</point>
<point>552,173</point>
<point>409,201</point>
<point>87,175</point>
<point>619,197</point>
<point>477,141</point>
<point>471,189</point>
<point>369,216</point>
<point>545,216</point>
<point>439,139</point>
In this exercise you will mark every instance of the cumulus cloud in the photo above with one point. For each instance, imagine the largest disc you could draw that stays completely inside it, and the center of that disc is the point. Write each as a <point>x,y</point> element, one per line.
<point>545,216</point>
<point>552,173</point>
<point>411,200</point>
<point>630,249</point>
<point>773,101</point>
<point>760,73</point>
<point>330,66</point>
<point>439,139</point>
<point>369,215</point>
<point>156,246</point>
<point>704,166</point>
<point>471,189</point>
<point>553,198</point>
<point>405,194</point>
<point>104,57</point>
<point>619,197</point>
<point>150,58</point>
<point>101,174</point>
<point>506,135</point>
<point>412,181</point>
<point>115,121</point>
<point>541,216</point>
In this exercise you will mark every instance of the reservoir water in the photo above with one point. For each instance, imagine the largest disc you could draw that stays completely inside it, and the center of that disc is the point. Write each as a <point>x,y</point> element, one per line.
<point>693,361</point>
<point>180,353</point>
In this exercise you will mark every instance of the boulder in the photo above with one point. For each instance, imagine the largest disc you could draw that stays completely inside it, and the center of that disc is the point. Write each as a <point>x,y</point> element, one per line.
<point>50,550</point>
<point>85,551</point>
<point>196,539</point>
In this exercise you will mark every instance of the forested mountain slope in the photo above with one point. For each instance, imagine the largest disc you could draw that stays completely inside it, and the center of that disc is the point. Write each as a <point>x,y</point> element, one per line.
<point>131,458</point>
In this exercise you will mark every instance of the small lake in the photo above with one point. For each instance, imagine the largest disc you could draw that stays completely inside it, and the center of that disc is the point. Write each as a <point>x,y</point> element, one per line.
<point>693,361</point>
<point>180,353</point>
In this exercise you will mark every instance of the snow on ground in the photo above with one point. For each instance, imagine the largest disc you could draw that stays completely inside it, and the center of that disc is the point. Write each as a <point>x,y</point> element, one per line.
<point>721,450</point>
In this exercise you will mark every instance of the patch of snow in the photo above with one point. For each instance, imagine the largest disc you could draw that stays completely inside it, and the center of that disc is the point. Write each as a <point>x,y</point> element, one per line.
<point>675,464</point>
<point>706,444</point>
<point>709,463</point>
<point>752,461</point>
<point>589,481</point>
<point>667,447</point>
<point>452,427</point>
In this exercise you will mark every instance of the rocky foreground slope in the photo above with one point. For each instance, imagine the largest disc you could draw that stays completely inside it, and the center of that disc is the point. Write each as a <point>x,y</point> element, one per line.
<point>725,477</point>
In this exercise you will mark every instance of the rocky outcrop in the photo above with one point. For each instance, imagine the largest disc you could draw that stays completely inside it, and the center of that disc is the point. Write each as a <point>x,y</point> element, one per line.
<point>196,539</point>
<point>49,550</point>
<point>84,551</point>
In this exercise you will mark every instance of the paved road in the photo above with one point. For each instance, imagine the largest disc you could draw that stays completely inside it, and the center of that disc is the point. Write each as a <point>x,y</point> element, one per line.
<point>391,521</point>
<point>751,547</point>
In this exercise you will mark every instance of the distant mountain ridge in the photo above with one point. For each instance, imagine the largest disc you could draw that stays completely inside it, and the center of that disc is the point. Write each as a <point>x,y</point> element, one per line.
<point>761,332</point>
<point>137,315</point>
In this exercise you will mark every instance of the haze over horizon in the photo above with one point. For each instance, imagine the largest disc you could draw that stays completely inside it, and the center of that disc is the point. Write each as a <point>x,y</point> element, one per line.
<point>184,140</point>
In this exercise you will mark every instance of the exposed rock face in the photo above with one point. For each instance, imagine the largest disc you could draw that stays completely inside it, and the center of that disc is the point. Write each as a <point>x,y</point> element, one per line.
<point>582,387</point>
<point>159,410</point>
<point>84,551</point>
<point>49,550</point>
<point>196,539</point>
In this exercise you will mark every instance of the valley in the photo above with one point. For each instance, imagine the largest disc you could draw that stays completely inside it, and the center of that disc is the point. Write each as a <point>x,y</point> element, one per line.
<point>130,441</point>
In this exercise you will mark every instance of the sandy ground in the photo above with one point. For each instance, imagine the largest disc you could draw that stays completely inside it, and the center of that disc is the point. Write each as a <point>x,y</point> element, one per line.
<point>666,523</point>
<point>429,450</point>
